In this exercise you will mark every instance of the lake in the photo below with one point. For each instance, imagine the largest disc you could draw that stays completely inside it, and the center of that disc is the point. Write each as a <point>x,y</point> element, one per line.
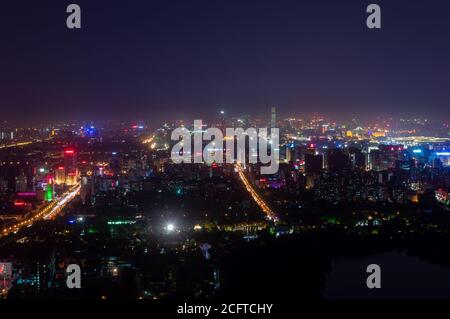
<point>402,277</point>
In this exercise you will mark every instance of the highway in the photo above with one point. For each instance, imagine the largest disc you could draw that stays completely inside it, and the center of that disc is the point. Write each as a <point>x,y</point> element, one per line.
<point>48,212</point>
<point>149,140</point>
<point>24,143</point>
<point>250,189</point>
<point>63,201</point>
<point>16,144</point>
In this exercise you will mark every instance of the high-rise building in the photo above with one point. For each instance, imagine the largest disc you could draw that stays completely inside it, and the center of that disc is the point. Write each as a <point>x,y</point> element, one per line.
<point>49,190</point>
<point>386,157</point>
<point>292,151</point>
<point>444,157</point>
<point>313,164</point>
<point>71,179</point>
<point>273,118</point>
<point>337,160</point>
<point>223,121</point>
<point>70,165</point>
<point>70,161</point>
<point>289,151</point>
<point>357,158</point>
<point>21,182</point>
<point>313,168</point>
<point>40,194</point>
<point>60,175</point>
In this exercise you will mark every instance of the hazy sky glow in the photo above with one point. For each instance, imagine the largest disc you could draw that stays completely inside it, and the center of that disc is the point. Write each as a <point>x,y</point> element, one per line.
<point>172,59</point>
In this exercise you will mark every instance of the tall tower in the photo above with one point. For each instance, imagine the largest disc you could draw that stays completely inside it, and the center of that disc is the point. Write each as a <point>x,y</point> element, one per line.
<point>49,190</point>
<point>70,165</point>
<point>273,118</point>
<point>223,120</point>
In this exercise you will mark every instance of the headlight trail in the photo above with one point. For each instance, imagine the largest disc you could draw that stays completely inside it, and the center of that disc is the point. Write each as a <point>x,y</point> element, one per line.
<point>69,196</point>
<point>261,203</point>
<point>46,213</point>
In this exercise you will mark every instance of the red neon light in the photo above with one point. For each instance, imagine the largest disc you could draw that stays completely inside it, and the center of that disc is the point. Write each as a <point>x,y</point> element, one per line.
<point>70,151</point>
<point>26,194</point>
<point>61,167</point>
<point>19,203</point>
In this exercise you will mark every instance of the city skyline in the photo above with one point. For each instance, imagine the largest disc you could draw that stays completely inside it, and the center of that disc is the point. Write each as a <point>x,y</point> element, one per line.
<point>111,200</point>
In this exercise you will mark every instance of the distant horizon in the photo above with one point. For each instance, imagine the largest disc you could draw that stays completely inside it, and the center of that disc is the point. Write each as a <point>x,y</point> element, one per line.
<point>212,117</point>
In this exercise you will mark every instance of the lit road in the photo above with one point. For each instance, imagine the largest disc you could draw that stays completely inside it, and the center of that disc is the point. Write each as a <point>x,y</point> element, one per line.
<point>48,212</point>
<point>62,202</point>
<point>148,140</point>
<point>25,143</point>
<point>261,203</point>
<point>16,144</point>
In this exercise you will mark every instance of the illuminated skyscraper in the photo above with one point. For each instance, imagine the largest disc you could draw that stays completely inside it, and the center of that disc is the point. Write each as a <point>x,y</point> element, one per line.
<point>357,158</point>
<point>444,157</point>
<point>289,151</point>
<point>60,175</point>
<point>71,178</point>
<point>49,189</point>
<point>48,194</point>
<point>70,164</point>
<point>273,118</point>
<point>386,156</point>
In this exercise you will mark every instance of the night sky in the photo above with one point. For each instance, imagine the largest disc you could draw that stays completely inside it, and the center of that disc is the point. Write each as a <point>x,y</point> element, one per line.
<point>157,60</point>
